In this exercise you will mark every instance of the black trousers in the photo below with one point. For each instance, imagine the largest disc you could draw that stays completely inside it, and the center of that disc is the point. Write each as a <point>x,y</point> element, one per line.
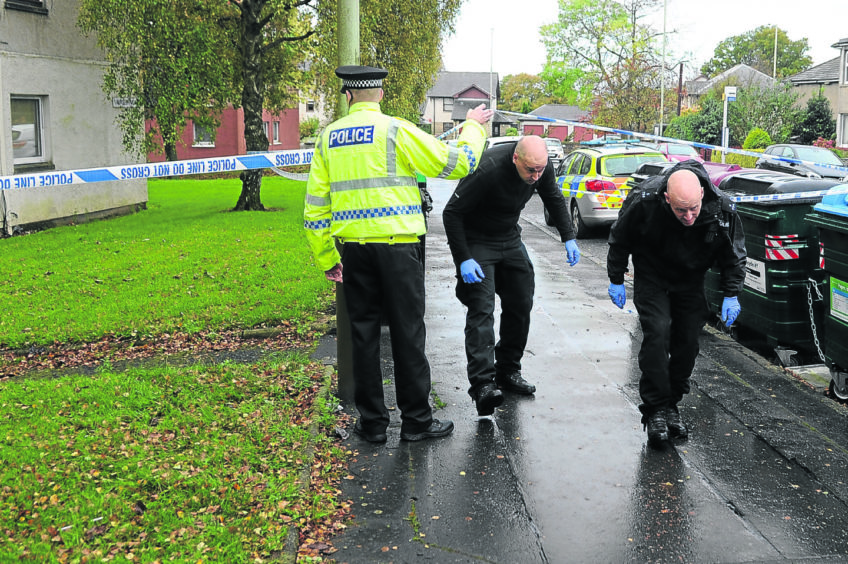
<point>672,317</point>
<point>509,274</point>
<point>387,281</point>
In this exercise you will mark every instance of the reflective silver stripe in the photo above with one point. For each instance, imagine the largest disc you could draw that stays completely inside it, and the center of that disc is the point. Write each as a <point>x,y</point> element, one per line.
<point>363,183</point>
<point>391,149</point>
<point>453,159</point>
<point>317,200</point>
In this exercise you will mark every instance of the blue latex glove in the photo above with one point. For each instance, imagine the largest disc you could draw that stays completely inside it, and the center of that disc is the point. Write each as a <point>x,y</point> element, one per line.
<point>572,253</point>
<point>617,294</point>
<point>471,271</point>
<point>730,309</point>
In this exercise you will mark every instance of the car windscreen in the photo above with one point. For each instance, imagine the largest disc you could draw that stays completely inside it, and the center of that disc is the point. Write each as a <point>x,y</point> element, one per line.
<point>675,149</point>
<point>625,165</point>
<point>817,155</point>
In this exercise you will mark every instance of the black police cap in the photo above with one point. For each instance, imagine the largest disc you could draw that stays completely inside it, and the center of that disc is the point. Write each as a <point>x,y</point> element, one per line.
<point>358,76</point>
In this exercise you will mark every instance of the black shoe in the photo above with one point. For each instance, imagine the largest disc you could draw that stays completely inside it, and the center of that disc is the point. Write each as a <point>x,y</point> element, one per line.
<point>487,397</point>
<point>513,382</point>
<point>436,429</point>
<point>657,427</point>
<point>676,426</point>
<point>370,437</point>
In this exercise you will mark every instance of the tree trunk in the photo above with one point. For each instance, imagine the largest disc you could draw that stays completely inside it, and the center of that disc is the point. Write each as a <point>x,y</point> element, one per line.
<point>252,97</point>
<point>171,152</point>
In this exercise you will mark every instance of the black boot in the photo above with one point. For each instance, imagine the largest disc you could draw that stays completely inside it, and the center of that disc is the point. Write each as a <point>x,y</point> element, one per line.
<point>657,427</point>
<point>487,397</point>
<point>513,382</point>
<point>676,426</point>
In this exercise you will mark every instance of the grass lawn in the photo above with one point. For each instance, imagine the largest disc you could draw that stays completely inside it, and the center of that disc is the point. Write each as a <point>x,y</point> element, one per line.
<point>201,463</point>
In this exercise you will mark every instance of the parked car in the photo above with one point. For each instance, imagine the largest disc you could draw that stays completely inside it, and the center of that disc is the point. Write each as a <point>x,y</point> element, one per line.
<point>24,141</point>
<point>555,151</point>
<point>591,179</point>
<point>492,141</point>
<point>808,153</point>
<point>677,151</point>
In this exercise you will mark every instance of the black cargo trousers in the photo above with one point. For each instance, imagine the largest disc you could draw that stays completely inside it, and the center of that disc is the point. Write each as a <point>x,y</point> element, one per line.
<point>672,316</point>
<point>510,275</point>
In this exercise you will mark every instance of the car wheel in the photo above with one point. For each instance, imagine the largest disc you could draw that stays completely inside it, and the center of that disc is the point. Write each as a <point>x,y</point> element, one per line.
<point>581,230</point>
<point>548,219</point>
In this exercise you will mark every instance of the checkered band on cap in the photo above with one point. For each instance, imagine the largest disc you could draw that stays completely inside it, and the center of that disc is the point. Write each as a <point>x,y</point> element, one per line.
<point>372,83</point>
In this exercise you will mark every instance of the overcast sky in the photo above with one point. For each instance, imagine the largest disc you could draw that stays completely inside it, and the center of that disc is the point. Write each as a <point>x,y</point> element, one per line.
<point>503,35</point>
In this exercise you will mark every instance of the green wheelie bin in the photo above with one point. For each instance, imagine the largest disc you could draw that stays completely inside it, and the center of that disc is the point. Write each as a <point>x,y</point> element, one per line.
<point>830,217</point>
<point>781,299</point>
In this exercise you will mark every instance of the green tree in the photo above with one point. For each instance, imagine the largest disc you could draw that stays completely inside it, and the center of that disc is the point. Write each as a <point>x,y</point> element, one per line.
<point>402,37</point>
<point>817,121</point>
<point>166,60</point>
<point>520,91</point>
<point>606,44</point>
<point>189,59</point>
<point>771,109</point>
<point>755,48</point>
<point>706,124</point>
<point>567,85</point>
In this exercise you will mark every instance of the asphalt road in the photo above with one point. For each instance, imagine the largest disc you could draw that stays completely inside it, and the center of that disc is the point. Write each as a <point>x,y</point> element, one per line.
<point>566,475</point>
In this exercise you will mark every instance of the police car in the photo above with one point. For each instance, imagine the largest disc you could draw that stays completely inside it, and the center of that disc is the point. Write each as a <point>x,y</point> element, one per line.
<point>592,177</point>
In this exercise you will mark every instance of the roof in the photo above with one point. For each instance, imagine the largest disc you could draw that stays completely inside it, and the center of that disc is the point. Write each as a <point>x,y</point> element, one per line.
<point>449,84</point>
<point>461,107</point>
<point>559,111</point>
<point>825,73</point>
<point>742,73</point>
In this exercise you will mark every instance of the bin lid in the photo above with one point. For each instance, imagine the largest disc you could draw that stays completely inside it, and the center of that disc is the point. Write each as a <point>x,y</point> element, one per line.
<point>748,182</point>
<point>835,201</point>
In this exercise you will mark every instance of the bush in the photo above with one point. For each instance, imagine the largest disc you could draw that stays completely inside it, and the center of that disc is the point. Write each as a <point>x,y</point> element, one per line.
<point>826,143</point>
<point>309,127</point>
<point>510,131</point>
<point>744,161</point>
<point>817,121</point>
<point>757,139</point>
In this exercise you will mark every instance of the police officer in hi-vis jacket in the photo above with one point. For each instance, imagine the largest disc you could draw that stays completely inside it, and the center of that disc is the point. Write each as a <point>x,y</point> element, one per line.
<point>362,192</point>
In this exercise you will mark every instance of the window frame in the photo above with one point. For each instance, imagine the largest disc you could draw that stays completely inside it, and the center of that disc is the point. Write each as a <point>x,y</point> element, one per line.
<point>276,139</point>
<point>33,6</point>
<point>842,130</point>
<point>447,104</point>
<point>38,131</point>
<point>198,140</point>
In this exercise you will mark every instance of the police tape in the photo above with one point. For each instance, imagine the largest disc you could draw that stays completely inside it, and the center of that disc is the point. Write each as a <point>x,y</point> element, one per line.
<point>673,140</point>
<point>213,165</point>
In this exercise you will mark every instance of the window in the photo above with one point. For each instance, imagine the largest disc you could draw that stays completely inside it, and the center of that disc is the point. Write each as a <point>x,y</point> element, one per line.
<point>447,104</point>
<point>202,137</point>
<point>36,6</point>
<point>27,132</point>
<point>276,133</point>
<point>844,78</point>
<point>842,134</point>
<point>310,105</point>
<point>265,129</point>
<point>447,126</point>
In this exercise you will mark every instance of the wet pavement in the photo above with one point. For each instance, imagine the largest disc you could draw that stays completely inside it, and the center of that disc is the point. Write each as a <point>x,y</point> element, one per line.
<point>566,475</point>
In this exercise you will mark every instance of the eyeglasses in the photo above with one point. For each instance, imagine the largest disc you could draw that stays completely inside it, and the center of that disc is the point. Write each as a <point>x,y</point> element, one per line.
<point>531,170</point>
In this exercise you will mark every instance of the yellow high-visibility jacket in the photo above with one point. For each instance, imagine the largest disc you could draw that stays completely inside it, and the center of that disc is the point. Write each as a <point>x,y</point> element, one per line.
<point>362,182</point>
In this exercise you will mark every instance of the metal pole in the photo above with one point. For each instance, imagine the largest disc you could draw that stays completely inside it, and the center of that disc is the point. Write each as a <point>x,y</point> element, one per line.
<point>348,48</point>
<point>662,72</point>
<point>680,89</point>
<point>774,70</point>
<point>724,136</point>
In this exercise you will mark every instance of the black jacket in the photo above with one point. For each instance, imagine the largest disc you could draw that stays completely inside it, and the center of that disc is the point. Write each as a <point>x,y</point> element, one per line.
<point>669,252</point>
<point>486,205</point>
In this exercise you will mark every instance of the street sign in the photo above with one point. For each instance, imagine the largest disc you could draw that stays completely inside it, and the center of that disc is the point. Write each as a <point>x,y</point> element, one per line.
<point>730,93</point>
